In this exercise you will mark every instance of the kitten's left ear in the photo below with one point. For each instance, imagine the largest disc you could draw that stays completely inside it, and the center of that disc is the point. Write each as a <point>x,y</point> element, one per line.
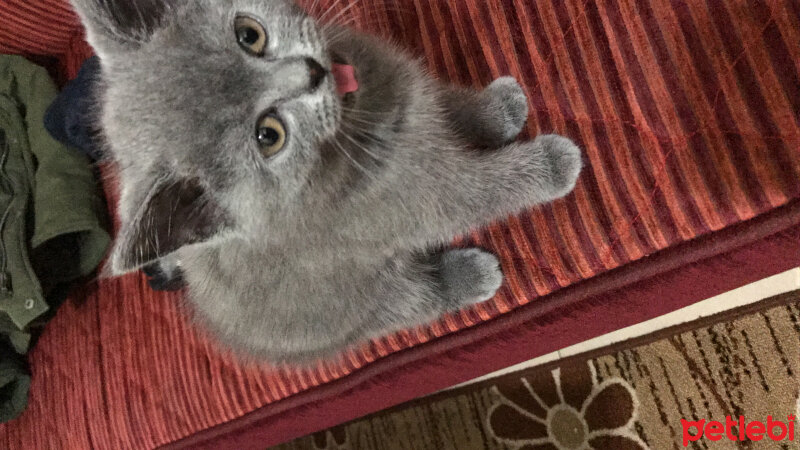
<point>120,25</point>
<point>175,213</point>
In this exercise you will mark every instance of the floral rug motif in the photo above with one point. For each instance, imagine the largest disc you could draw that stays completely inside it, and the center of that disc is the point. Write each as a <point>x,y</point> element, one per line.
<point>632,395</point>
<point>566,409</point>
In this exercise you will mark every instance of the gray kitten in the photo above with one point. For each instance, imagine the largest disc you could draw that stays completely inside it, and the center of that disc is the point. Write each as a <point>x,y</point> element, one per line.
<point>305,215</point>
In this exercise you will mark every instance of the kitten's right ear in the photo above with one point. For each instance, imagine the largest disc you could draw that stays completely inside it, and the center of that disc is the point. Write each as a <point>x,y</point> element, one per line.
<point>120,25</point>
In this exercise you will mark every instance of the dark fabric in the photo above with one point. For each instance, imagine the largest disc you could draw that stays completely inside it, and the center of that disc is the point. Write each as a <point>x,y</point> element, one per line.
<point>14,382</point>
<point>72,117</point>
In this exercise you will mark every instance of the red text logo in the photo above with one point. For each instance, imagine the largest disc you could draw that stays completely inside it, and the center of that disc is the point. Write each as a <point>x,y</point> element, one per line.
<point>738,430</point>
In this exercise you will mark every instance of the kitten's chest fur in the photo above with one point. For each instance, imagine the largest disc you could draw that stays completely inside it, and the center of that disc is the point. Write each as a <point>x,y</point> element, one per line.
<point>309,292</point>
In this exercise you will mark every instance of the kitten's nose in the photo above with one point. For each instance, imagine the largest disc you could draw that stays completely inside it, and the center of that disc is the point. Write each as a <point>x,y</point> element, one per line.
<point>316,73</point>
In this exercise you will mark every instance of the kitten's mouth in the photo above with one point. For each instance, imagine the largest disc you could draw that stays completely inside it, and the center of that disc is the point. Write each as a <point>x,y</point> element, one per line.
<point>345,76</point>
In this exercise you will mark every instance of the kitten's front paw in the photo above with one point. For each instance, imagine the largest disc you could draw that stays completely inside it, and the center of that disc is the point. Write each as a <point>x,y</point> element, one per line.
<point>164,279</point>
<point>511,105</point>
<point>470,276</point>
<point>564,161</point>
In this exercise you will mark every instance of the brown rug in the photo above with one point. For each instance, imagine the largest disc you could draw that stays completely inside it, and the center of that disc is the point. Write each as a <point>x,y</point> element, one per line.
<point>650,392</point>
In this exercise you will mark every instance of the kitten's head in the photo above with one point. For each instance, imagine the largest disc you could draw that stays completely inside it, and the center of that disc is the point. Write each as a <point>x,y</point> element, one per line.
<point>214,111</point>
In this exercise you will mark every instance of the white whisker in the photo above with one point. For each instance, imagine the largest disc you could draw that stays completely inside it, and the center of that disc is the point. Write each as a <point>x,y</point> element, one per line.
<point>350,157</point>
<point>361,146</point>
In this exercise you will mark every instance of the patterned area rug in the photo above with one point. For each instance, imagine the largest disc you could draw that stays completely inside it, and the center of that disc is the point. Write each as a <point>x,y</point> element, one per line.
<point>690,386</point>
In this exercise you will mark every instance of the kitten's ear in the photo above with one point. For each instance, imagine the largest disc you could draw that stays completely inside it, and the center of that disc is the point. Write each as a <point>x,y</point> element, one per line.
<point>175,213</point>
<point>119,25</point>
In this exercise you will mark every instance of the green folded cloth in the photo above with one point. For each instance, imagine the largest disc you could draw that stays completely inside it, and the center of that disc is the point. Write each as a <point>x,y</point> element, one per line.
<point>52,220</point>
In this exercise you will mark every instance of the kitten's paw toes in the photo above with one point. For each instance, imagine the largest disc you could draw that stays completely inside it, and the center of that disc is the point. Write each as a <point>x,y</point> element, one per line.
<point>509,99</point>
<point>564,161</point>
<point>470,276</point>
<point>162,281</point>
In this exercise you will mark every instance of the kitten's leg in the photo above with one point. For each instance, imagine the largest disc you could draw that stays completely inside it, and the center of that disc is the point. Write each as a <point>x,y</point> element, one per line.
<point>165,275</point>
<point>436,284</point>
<point>461,190</point>
<point>468,276</point>
<point>489,118</point>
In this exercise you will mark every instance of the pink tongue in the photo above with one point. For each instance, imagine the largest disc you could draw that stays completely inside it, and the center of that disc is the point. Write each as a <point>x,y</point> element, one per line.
<point>345,77</point>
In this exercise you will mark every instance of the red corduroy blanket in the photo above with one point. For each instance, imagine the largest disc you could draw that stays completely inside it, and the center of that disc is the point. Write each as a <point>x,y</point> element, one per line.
<point>689,115</point>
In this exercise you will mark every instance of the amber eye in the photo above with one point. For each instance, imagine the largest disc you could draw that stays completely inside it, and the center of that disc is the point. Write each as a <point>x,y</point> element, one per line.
<point>270,135</point>
<point>250,35</point>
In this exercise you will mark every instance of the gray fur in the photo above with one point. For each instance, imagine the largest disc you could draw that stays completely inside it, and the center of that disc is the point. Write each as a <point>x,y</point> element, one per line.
<point>339,237</point>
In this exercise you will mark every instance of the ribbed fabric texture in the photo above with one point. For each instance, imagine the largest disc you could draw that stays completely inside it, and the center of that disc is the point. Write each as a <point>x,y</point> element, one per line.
<point>688,113</point>
<point>44,27</point>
